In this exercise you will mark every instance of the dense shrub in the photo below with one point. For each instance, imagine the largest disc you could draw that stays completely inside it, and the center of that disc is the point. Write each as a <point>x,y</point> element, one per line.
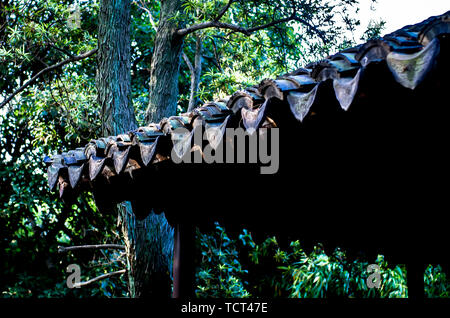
<point>437,285</point>
<point>242,268</point>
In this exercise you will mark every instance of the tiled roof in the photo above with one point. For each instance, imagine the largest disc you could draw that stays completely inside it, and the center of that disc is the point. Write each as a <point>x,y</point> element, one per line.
<point>410,54</point>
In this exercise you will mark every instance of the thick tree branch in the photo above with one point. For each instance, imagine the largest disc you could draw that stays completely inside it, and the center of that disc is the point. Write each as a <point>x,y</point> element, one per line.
<point>248,31</point>
<point>212,24</point>
<point>80,284</point>
<point>45,70</point>
<point>62,249</point>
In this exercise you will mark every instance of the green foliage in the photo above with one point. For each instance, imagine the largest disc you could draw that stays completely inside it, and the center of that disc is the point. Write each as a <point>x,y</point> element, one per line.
<point>437,285</point>
<point>232,60</point>
<point>373,30</point>
<point>319,275</point>
<point>29,285</point>
<point>57,113</point>
<point>242,268</point>
<point>299,274</point>
<point>221,275</point>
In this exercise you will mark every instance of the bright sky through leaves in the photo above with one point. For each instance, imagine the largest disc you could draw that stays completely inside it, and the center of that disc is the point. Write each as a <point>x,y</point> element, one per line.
<point>398,13</point>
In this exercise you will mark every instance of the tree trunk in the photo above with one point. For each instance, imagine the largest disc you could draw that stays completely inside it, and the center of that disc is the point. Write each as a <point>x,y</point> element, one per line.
<point>149,247</point>
<point>166,59</point>
<point>113,72</point>
<point>148,242</point>
<point>195,74</point>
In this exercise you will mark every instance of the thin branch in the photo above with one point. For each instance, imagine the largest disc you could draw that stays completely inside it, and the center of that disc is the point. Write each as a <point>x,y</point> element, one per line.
<point>239,29</point>
<point>62,249</point>
<point>154,26</point>
<point>139,59</point>
<point>146,9</point>
<point>110,262</point>
<point>80,284</point>
<point>189,64</point>
<point>223,10</point>
<point>61,50</point>
<point>45,70</point>
<point>216,55</point>
<point>213,61</point>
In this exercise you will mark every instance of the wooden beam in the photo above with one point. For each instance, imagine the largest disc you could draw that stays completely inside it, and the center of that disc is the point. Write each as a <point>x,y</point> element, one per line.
<point>183,262</point>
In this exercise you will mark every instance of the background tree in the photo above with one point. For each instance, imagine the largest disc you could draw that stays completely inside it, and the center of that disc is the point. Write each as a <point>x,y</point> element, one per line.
<point>148,242</point>
<point>287,25</point>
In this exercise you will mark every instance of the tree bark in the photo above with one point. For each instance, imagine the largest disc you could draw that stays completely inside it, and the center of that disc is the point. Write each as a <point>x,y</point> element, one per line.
<point>148,242</point>
<point>165,67</point>
<point>149,247</point>
<point>195,74</point>
<point>113,72</point>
